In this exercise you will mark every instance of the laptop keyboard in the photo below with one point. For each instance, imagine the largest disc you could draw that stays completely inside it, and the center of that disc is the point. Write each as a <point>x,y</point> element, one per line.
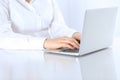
<point>70,50</point>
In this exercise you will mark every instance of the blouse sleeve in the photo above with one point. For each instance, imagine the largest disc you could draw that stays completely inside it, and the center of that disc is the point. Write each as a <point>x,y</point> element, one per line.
<point>12,40</point>
<point>58,27</point>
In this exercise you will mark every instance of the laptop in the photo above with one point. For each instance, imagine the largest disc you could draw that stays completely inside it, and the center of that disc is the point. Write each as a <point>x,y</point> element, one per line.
<point>97,33</point>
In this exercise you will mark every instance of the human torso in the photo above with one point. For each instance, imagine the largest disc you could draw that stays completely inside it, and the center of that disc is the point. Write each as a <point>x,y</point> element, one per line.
<point>30,18</point>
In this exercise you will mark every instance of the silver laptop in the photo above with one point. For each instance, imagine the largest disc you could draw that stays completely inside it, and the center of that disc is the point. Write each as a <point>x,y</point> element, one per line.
<point>97,33</point>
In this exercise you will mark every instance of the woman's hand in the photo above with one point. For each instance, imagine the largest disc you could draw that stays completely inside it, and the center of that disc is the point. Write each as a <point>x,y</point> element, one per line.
<point>61,42</point>
<point>76,36</point>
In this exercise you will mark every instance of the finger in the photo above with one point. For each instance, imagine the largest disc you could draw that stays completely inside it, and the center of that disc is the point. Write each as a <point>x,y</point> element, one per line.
<point>76,44</point>
<point>70,41</point>
<point>76,41</point>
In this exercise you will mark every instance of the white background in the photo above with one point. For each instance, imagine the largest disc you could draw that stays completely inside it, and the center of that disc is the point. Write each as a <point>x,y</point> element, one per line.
<point>73,11</point>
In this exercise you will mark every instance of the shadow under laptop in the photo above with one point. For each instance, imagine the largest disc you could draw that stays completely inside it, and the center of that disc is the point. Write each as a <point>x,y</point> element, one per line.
<point>95,66</point>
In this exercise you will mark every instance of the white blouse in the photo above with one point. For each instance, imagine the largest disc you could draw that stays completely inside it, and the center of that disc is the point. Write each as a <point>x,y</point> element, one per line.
<point>26,25</point>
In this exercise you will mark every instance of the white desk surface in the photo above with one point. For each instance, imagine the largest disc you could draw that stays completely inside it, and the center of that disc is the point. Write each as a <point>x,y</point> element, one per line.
<point>37,65</point>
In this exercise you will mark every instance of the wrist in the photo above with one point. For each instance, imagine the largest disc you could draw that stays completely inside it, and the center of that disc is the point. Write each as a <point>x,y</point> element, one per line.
<point>45,43</point>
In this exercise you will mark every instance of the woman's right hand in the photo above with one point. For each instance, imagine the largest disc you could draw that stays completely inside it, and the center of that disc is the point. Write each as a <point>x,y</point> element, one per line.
<point>61,42</point>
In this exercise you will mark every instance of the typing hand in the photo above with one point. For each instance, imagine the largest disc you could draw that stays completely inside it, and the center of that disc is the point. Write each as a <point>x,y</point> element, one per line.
<point>61,42</point>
